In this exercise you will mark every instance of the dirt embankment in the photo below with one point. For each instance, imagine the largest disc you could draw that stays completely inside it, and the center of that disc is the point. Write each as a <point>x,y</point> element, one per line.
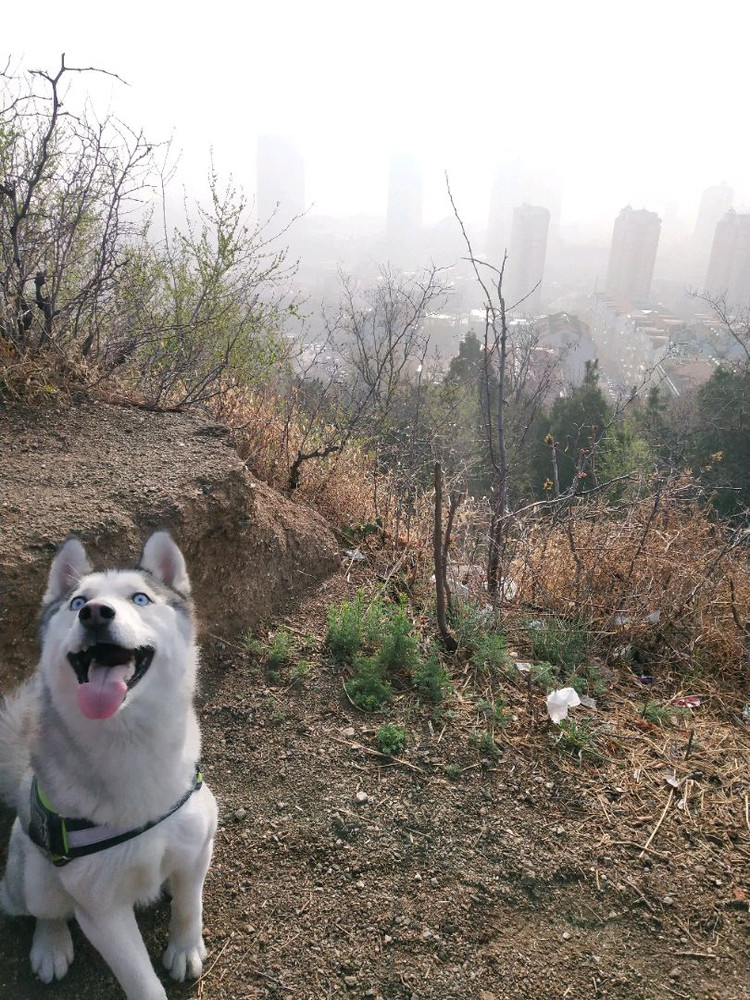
<point>111,475</point>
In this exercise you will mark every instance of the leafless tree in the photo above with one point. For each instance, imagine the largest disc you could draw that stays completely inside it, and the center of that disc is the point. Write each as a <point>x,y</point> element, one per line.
<point>509,375</point>
<point>70,186</point>
<point>377,345</point>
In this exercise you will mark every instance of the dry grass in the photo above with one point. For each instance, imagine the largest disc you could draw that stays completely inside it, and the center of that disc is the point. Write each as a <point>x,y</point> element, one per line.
<point>659,574</point>
<point>41,378</point>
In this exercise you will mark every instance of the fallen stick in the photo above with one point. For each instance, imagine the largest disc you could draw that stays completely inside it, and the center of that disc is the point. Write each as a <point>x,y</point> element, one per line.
<point>661,820</point>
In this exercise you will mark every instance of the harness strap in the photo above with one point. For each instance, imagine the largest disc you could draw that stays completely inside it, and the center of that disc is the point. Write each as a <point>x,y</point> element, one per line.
<point>64,839</point>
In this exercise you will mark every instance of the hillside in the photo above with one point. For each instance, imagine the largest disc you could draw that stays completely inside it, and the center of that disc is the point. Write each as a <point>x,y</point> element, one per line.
<point>113,474</point>
<point>520,868</point>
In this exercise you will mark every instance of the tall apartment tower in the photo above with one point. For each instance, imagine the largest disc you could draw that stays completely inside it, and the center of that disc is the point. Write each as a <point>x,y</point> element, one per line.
<point>525,265</point>
<point>514,185</point>
<point>635,239</point>
<point>405,205</point>
<point>729,265</point>
<point>280,191</point>
<point>715,203</point>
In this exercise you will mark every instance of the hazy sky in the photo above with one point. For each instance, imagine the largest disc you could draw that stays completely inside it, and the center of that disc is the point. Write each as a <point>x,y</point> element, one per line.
<point>641,102</point>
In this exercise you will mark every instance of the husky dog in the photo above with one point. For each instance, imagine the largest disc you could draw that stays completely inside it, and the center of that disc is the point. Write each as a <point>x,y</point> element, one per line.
<point>99,757</point>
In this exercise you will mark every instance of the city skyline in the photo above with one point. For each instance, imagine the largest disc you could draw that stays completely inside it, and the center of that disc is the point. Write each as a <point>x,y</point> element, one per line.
<point>606,133</point>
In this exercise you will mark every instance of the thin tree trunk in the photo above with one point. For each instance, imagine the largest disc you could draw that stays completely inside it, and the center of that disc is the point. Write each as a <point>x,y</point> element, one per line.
<point>440,563</point>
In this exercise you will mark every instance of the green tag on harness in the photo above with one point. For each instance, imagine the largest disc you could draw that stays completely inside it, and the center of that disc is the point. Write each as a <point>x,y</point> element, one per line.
<point>46,827</point>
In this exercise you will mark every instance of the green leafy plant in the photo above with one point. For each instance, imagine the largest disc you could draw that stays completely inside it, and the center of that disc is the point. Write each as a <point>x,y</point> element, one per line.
<point>280,650</point>
<point>491,654</point>
<point>485,743</point>
<point>399,650</point>
<point>300,672</point>
<point>577,738</point>
<point>662,715</point>
<point>544,675</point>
<point>588,679</point>
<point>367,688</point>
<point>469,623</point>
<point>251,644</point>
<point>344,632</point>
<point>495,711</point>
<point>391,738</point>
<point>560,642</point>
<point>431,679</point>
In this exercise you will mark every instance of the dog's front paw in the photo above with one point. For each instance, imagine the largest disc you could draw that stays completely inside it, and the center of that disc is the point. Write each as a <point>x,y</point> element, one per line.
<point>184,963</point>
<point>51,950</point>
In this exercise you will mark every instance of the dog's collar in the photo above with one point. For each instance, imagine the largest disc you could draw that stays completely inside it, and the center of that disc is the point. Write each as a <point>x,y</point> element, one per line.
<point>63,839</point>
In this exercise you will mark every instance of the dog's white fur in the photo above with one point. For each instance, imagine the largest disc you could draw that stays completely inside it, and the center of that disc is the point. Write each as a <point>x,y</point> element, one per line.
<point>121,771</point>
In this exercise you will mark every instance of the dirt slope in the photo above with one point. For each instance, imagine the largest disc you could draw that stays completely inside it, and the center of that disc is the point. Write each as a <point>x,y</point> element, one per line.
<point>111,475</point>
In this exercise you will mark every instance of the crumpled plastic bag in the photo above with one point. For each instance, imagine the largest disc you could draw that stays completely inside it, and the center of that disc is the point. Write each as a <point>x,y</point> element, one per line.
<point>559,701</point>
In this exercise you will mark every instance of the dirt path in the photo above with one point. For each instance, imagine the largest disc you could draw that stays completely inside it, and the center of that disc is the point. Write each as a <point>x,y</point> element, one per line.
<point>447,875</point>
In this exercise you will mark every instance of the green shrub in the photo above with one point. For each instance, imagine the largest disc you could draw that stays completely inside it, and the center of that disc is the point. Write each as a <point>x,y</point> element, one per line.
<point>344,633</point>
<point>280,650</point>
<point>485,743</point>
<point>578,738</point>
<point>300,672</point>
<point>588,679</point>
<point>391,738</point>
<point>470,623</point>
<point>560,642</point>
<point>544,675</point>
<point>368,689</point>
<point>399,650</point>
<point>431,679</point>
<point>491,654</point>
<point>496,711</point>
<point>661,715</point>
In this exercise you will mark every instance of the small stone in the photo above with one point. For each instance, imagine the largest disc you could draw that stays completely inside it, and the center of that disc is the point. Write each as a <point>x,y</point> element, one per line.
<point>240,814</point>
<point>417,877</point>
<point>361,797</point>
<point>668,901</point>
<point>350,980</point>
<point>387,939</point>
<point>349,732</point>
<point>360,884</point>
<point>674,973</point>
<point>566,936</point>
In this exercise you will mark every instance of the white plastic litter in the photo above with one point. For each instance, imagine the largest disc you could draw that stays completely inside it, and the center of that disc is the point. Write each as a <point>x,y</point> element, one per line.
<point>355,555</point>
<point>558,703</point>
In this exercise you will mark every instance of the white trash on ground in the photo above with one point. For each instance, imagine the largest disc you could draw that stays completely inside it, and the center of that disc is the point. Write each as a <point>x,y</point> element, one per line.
<point>559,701</point>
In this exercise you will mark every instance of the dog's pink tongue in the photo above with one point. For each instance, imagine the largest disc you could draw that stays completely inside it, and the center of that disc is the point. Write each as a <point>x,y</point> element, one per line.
<point>104,692</point>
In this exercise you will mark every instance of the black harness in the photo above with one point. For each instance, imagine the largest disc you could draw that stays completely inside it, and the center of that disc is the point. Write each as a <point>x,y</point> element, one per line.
<point>56,835</point>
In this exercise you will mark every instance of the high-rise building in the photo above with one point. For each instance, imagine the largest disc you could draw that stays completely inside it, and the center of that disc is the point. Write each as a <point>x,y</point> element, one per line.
<point>635,239</point>
<point>715,203</point>
<point>514,185</point>
<point>525,265</point>
<point>729,265</point>
<point>280,192</point>
<point>405,206</point>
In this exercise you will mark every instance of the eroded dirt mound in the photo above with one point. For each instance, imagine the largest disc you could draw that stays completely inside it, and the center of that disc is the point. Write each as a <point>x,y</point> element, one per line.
<point>111,475</point>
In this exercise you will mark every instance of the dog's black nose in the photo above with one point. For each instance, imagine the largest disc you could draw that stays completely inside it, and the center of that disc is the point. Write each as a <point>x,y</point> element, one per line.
<point>93,614</point>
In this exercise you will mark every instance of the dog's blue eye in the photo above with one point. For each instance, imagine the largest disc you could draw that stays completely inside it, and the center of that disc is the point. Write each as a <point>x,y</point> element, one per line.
<point>141,599</point>
<point>77,603</point>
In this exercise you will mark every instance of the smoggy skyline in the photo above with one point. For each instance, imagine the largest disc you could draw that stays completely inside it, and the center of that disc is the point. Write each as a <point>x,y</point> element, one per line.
<point>636,105</point>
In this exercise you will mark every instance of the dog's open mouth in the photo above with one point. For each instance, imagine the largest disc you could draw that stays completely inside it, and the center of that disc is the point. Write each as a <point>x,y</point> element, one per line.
<point>106,672</point>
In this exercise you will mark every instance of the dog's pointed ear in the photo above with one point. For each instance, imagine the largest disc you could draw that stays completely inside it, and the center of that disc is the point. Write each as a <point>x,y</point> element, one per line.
<point>162,559</point>
<point>68,566</point>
